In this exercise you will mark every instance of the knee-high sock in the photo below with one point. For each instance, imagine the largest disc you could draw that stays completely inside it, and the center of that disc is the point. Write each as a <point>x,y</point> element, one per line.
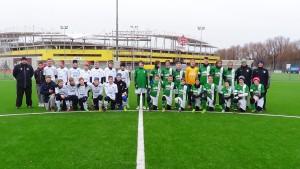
<point>100,104</point>
<point>144,99</point>
<point>138,99</point>
<point>85,105</point>
<point>57,102</point>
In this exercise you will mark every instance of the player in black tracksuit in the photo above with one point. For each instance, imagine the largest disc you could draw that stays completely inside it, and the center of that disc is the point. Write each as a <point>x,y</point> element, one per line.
<point>122,88</point>
<point>23,73</point>
<point>263,75</point>
<point>245,71</point>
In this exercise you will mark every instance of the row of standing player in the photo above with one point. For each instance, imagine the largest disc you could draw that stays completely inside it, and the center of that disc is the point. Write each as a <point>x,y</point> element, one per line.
<point>202,89</point>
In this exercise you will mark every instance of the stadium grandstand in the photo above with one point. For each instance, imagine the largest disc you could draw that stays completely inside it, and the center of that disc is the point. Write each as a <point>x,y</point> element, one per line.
<point>133,47</point>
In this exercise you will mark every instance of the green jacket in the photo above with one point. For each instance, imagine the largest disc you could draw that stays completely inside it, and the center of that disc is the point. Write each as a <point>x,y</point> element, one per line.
<point>140,78</point>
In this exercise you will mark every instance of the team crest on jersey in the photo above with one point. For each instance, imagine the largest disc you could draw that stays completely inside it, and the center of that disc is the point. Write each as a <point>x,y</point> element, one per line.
<point>21,68</point>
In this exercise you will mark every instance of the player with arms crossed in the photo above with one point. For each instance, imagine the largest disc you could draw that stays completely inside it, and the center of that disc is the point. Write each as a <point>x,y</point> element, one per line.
<point>180,100</point>
<point>72,99</point>
<point>97,90</point>
<point>241,93</point>
<point>167,97</point>
<point>226,96</point>
<point>154,92</point>
<point>61,94</point>
<point>197,90</point>
<point>209,95</point>
<point>257,92</point>
<point>111,90</point>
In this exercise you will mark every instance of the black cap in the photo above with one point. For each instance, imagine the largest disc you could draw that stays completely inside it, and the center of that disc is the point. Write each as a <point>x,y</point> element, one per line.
<point>23,58</point>
<point>262,62</point>
<point>122,64</point>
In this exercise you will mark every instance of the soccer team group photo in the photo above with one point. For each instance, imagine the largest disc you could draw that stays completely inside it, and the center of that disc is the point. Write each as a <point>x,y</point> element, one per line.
<point>140,84</point>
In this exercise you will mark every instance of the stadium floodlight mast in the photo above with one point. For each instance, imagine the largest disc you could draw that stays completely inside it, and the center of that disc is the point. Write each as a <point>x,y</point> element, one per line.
<point>201,29</point>
<point>64,28</point>
<point>117,30</point>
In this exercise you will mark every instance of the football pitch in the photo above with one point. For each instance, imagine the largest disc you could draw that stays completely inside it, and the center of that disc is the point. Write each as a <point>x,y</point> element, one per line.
<point>172,140</point>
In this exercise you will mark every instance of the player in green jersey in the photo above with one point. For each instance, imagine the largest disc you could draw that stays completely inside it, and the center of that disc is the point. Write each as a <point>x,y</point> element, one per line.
<point>226,96</point>
<point>196,95</point>
<point>178,74</point>
<point>204,70</point>
<point>180,100</point>
<point>167,97</point>
<point>166,71</point>
<point>257,93</point>
<point>156,71</point>
<point>154,92</point>
<point>241,93</point>
<point>218,74</point>
<point>141,83</point>
<point>209,91</point>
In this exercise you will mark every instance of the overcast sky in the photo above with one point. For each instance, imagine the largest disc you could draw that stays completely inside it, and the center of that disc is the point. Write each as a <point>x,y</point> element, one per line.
<point>227,22</point>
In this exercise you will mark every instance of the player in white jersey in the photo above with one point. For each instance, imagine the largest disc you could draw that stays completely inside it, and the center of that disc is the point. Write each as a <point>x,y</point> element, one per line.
<point>72,98</point>
<point>97,72</point>
<point>125,74</point>
<point>74,72</point>
<point>86,73</point>
<point>62,72</point>
<point>125,78</point>
<point>61,93</point>
<point>111,89</point>
<point>110,71</point>
<point>97,90</point>
<point>50,70</point>
<point>82,94</point>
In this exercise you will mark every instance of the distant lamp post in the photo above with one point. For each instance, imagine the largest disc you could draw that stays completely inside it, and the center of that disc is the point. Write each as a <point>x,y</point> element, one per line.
<point>201,29</point>
<point>64,28</point>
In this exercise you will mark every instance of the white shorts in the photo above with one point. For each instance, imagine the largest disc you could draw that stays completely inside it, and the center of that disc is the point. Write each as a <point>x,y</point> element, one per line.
<point>243,104</point>
<point>168,99</point>
<point>154,100</point>
<point>180,101</point>
<point>198,102</point>
<point>210,102</point>
<point>259,101</point>
<point>140,90</point>
<point>228,102</point>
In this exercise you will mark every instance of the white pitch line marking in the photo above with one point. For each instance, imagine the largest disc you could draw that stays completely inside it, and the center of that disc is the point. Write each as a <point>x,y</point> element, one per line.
<point>140,157</point>
<point>250,114</point>
<point>45,113</point>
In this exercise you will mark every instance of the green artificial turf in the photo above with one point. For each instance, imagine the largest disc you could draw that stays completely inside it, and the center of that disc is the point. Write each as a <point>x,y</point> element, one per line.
<point>220,141</point>
<point>69,141</point>
<point>172,140</point>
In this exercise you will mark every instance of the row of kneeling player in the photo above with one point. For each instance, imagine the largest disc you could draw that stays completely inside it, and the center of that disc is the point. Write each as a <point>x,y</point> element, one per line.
<point>204,96</point>
<point>61,97</point>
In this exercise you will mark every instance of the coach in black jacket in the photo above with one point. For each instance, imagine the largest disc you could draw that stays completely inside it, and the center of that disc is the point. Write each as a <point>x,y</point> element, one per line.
<point>245,71</point>
<point>23,73</point>
<point>264,77</point>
